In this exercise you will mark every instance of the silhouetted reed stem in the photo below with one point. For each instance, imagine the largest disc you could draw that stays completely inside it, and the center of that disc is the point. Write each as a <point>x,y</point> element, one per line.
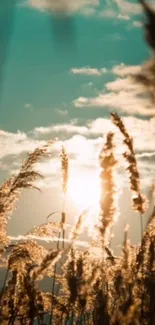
<point>65,171</point>
<point>139,202</point>
<point>63,221</point>
<point>141,225</point>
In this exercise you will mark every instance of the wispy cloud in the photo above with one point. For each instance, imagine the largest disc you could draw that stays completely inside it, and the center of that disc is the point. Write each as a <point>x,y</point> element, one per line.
<point>62,112</point>
<point>89,71</point>
<point>69,6</point>
<point>128,8</point>
<point>112,13</point>
<point>108,13</point>
<point>63,128</point>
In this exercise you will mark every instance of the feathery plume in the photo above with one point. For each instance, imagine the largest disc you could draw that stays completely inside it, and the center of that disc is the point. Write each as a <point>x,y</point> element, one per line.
<point>139,201</point>
<point>64,168</point>
<point>108,191</point>
<point>11,189</point>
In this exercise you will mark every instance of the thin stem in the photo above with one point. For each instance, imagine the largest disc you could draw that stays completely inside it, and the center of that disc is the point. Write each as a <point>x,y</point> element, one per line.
<point>4,284</point>
<point>53,283</point>
<point>141,226</point>
<point>63,215</point>
<point>142,297</point>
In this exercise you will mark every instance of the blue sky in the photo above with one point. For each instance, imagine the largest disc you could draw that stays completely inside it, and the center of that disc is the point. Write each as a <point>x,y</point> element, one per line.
<point>54,88</point>
<point>37,72</point>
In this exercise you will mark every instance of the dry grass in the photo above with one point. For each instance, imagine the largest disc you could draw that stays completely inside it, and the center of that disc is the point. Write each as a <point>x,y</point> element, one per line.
<point>84,290</point>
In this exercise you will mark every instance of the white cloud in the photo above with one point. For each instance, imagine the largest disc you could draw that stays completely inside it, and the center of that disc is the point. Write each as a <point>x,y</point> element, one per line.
<point>50,167</point>
<point>63,6</point>
<point>89,71</point>
<point>63,128</point>
<point>83,150</point>
<point>111,13</point>
<point>125,84</point>
<point>16,143</point>
<point>128,8</point>
<point>89,11</point>
<point>42,130</point>
<point>83,144</point>
<point>123,70</point>
<point>123,17</point>
<point>108,13</point>
<point>143,132</point>
<point>123,94</point>
<point>101,126</point>
<point>124,101</point>
<point>137,24</point>
<point>120,9</point>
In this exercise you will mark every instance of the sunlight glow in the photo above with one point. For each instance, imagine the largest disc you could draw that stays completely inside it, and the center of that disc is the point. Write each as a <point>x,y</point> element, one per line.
<point>85,193</point>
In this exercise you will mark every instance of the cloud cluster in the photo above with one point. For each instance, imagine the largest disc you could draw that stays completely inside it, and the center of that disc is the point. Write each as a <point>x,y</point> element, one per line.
<point>122,94</point>
<point>122,10</point>
<point>83,143</point>
<point>118,9</point>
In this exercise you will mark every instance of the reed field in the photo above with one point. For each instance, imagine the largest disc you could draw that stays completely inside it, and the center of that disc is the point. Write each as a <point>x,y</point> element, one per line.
<point>85,288</point>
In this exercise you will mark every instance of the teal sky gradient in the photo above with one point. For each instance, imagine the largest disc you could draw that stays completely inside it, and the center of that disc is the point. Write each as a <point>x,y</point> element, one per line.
<point>38,73</point>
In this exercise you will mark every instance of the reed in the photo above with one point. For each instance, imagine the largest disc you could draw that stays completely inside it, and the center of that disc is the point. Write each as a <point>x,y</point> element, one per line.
<point>138,199</point>
<point>92,290</point>
<point>101,289</point>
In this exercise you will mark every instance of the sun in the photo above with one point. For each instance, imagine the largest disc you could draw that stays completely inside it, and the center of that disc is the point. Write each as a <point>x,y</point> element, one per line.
<point>84,190</point>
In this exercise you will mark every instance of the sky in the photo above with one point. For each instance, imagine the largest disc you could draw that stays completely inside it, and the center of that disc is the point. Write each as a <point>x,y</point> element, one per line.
<point>60,77</point>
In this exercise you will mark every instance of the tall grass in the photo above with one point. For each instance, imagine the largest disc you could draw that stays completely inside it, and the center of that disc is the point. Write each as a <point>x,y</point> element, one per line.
<point>104,290</point>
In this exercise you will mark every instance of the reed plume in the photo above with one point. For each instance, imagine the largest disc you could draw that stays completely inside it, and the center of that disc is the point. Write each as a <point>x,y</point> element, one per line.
<point>93,290</point>
<point>64,169</point>
<point>11,189</point>
<point>108,190</point>
<point>138,199</point>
